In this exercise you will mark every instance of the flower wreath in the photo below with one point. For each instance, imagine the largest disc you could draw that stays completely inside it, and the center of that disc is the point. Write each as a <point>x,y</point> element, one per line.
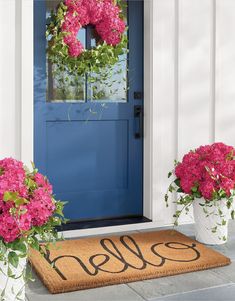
<point>64,48</point>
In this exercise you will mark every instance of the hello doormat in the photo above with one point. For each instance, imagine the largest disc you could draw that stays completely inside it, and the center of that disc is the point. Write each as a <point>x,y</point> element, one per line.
<point>94,262</point>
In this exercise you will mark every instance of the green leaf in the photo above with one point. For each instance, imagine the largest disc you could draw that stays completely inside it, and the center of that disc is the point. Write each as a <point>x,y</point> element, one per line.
<point>30,183</point>
<point>34,243</point>
<point>9,272</point>
<point>3,294</point>
<point>232,214</point>
<point>229,204</point>
<point>177,182</point>
<point>21,201</point>
<point>166,200</point>
<point>10,196</point>
<point>171,188</point>
<point>224,222</point>
<point>13,259</point>
<point>214,230</point>
<point>19,246</point>
<point>1,171</point>
<point>169,174</point>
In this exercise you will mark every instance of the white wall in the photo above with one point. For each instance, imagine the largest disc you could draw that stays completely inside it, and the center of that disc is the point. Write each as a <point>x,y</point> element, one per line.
<point>193,82</point>
<point>9,101</point>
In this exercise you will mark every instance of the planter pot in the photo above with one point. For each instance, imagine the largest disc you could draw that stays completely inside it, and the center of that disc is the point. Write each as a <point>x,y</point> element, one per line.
<point>14,288</point>
<point>204,224</point>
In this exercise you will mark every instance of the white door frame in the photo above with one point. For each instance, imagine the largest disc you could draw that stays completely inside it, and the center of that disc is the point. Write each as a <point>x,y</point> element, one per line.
<point>27,122</point>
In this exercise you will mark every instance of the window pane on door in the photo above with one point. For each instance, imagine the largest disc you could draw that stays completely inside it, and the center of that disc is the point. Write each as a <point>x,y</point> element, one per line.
<point>114,87</point>
<point>61,85</point>
<point>112,84</point>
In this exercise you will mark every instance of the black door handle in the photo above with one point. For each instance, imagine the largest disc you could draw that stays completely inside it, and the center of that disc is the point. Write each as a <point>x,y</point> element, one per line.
<point>138,120</point>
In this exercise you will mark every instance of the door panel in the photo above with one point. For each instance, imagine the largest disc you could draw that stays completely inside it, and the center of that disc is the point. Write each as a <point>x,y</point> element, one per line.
<point>89,149</point>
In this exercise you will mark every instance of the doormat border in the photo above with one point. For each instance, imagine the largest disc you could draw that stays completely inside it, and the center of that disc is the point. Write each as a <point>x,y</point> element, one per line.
<point>56,288</point>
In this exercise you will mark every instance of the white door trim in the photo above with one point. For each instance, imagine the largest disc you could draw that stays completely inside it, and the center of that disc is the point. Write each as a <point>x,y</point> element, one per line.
<point>27,122</point>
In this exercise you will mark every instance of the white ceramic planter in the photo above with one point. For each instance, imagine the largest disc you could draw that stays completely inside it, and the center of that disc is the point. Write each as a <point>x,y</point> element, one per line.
<point>13,287</point>
<point>204,225</point>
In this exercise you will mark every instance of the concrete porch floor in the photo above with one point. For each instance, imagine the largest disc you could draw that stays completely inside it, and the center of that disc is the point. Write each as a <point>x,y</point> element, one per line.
<point>216,284</point>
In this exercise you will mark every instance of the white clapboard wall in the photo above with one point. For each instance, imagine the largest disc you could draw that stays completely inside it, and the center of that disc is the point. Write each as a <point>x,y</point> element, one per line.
<point>194,83</point>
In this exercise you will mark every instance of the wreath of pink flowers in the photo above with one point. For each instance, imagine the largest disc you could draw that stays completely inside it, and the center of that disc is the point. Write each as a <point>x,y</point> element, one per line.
<point>67,52</point>
<point>103,14</point>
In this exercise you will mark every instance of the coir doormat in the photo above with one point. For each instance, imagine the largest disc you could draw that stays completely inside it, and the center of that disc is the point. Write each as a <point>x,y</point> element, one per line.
<point>94,262</point>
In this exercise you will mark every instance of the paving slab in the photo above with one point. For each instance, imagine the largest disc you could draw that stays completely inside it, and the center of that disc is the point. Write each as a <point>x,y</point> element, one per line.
<point>227,272</point>
<point>150,289</point>
<point>225,293</point>
<point>108,293</point>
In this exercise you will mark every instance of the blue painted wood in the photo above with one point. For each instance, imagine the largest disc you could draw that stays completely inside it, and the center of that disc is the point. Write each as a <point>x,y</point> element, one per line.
<point>93,160</point>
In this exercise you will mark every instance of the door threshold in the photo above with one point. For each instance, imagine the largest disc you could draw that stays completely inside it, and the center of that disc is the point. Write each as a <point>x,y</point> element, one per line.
<point>78,225</point>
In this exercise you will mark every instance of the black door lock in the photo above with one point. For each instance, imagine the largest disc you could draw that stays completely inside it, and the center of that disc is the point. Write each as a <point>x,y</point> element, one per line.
<point>138,95</point>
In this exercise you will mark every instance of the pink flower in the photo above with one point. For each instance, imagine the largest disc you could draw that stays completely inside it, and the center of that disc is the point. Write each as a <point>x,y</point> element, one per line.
<point>95,9</point>
<point>104,14</point>
<point>41,207</point>
<point>210,167</point>
<point>227,185</point>
<point>43,182</point>
<point>39,204</point>
<point>71,23</point>
<point>12,177</point>
<point>75,49</point>
<point>38,212</point>
<point>207,188</point>
<point>111,30</point>
<point>9,229</point>
<point>25,221</point>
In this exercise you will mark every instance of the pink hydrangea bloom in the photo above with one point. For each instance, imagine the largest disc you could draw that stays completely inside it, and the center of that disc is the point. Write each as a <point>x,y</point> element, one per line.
<point>210,168</point>
<point>25,221</point>
<point>39,205</point>
<point>12,177</point>
<point>110,30</point>
<point>75,49</point>
<point>43,182</point>
<point>9,229</point>
<point>103,14</point>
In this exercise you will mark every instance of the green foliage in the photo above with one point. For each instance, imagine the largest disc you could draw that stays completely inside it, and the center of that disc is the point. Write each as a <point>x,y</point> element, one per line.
<point>13,259</point>
<point>212,207</point>
<point>10,253</point>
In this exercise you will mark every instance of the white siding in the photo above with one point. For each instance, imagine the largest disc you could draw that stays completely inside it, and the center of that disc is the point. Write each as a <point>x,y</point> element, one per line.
<point>164,104</point>
<point>9,119</point>
<point>193,80</point>
<point>194,49</point>
<point>194,74</point>
<point>225,71</point>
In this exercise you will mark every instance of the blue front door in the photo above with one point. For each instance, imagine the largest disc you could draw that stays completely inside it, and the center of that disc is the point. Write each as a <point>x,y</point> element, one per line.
<point>91,148</point>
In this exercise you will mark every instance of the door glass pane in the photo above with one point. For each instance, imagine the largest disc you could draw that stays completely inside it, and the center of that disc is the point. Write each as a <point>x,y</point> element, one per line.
<point>111,85</point>
<point>63,86</point>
